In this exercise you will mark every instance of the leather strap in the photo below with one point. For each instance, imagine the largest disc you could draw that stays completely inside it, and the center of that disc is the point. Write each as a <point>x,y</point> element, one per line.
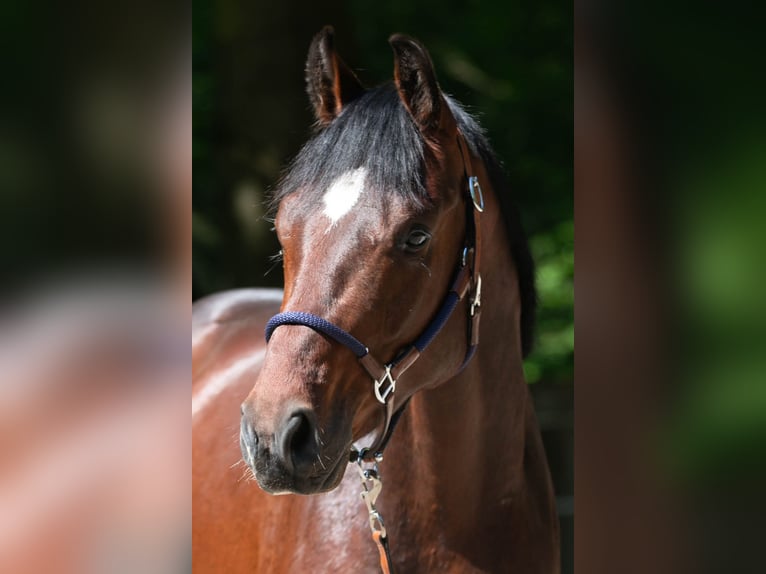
<point>385,554</point>
<point>468,278</point>
<point>476,263</point>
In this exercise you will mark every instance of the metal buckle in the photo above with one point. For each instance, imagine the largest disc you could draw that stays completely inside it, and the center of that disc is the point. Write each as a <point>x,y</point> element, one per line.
<point>476,302</point>
<point>476,195</point>
<point>372,486</point>
<point>383,397</point>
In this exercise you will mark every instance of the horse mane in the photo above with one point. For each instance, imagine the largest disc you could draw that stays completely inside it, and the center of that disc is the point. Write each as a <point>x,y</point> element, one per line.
<point>375,131</point>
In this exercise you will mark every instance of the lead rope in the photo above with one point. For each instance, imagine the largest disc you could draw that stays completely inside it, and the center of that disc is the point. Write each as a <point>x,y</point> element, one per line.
<point>371,487</point>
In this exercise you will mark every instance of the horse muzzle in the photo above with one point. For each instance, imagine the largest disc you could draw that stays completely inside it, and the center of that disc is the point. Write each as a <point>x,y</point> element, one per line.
<point>292,458</point>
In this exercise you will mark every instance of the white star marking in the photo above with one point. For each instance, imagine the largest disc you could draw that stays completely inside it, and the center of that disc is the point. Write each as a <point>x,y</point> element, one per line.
<point>343,194</point>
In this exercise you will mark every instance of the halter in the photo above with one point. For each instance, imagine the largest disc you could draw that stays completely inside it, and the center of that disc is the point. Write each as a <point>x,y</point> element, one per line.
<point>385,375</point>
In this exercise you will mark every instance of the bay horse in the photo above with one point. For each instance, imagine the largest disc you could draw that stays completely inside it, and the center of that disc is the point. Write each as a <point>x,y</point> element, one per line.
<point>397,233</point>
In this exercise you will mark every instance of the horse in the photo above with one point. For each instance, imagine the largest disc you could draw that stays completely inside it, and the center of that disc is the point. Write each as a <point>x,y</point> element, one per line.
<point>397,233</point>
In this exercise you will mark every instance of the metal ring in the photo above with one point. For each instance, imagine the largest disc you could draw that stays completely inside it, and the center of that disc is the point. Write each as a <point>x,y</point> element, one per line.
<point>476,194</point>
<point>376,523</point>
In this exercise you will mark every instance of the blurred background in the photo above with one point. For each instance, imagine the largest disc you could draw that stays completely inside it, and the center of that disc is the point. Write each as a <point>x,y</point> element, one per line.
<point>670,191</point>
<point>511,63</point>
<point>95,200</point>
<point>95,271</point>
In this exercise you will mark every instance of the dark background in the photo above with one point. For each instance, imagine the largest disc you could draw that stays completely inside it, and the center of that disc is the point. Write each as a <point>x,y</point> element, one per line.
<point>511,63</point>
<point>671,173</point>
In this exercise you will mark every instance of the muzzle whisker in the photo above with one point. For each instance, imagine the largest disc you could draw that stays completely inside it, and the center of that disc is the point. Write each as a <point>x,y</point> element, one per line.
<point>245,474</point>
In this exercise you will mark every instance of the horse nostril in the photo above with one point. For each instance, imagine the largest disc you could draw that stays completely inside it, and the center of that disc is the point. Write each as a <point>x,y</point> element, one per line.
<point>297,445</point>
<point>248,440</point>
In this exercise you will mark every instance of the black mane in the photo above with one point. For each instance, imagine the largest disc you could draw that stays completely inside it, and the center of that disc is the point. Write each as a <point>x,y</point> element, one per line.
<point>375,131</point>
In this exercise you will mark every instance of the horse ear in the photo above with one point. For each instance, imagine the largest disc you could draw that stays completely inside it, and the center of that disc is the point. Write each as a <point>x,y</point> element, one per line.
<point>418,89</point>
<point>330,83</point>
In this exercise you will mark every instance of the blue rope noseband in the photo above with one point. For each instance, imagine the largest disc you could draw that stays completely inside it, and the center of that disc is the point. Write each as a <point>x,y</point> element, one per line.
<point>318,324</point>
<point>346,339</point>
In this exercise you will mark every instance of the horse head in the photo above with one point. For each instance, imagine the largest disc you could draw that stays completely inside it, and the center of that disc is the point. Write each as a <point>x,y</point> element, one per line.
<point>372,222</point>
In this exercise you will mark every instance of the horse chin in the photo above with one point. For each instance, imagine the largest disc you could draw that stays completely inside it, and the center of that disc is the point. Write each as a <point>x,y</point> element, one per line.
<point>323,483</point>
<point>279,483</point>
<point>335,475</point>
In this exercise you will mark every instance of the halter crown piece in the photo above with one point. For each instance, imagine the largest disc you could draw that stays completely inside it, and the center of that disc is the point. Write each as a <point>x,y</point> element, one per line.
<point>385,375</point>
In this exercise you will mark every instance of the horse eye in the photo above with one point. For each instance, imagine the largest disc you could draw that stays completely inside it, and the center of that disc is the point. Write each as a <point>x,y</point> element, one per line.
<point>417,239</point>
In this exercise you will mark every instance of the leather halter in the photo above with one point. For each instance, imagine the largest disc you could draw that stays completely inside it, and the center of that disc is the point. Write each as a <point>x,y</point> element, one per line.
<point>385,376</point>
<point>467,279</point>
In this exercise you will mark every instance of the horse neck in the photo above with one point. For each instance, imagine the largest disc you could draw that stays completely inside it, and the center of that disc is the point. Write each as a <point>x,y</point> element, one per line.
<point>478,431</point>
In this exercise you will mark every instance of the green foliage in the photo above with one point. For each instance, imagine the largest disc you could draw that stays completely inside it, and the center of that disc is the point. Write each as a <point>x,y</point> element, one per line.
<point>552,358</point>
<point>717,431</point>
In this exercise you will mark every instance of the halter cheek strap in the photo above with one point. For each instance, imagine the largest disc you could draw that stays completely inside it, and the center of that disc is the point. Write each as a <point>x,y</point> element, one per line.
<point>385,375</point>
